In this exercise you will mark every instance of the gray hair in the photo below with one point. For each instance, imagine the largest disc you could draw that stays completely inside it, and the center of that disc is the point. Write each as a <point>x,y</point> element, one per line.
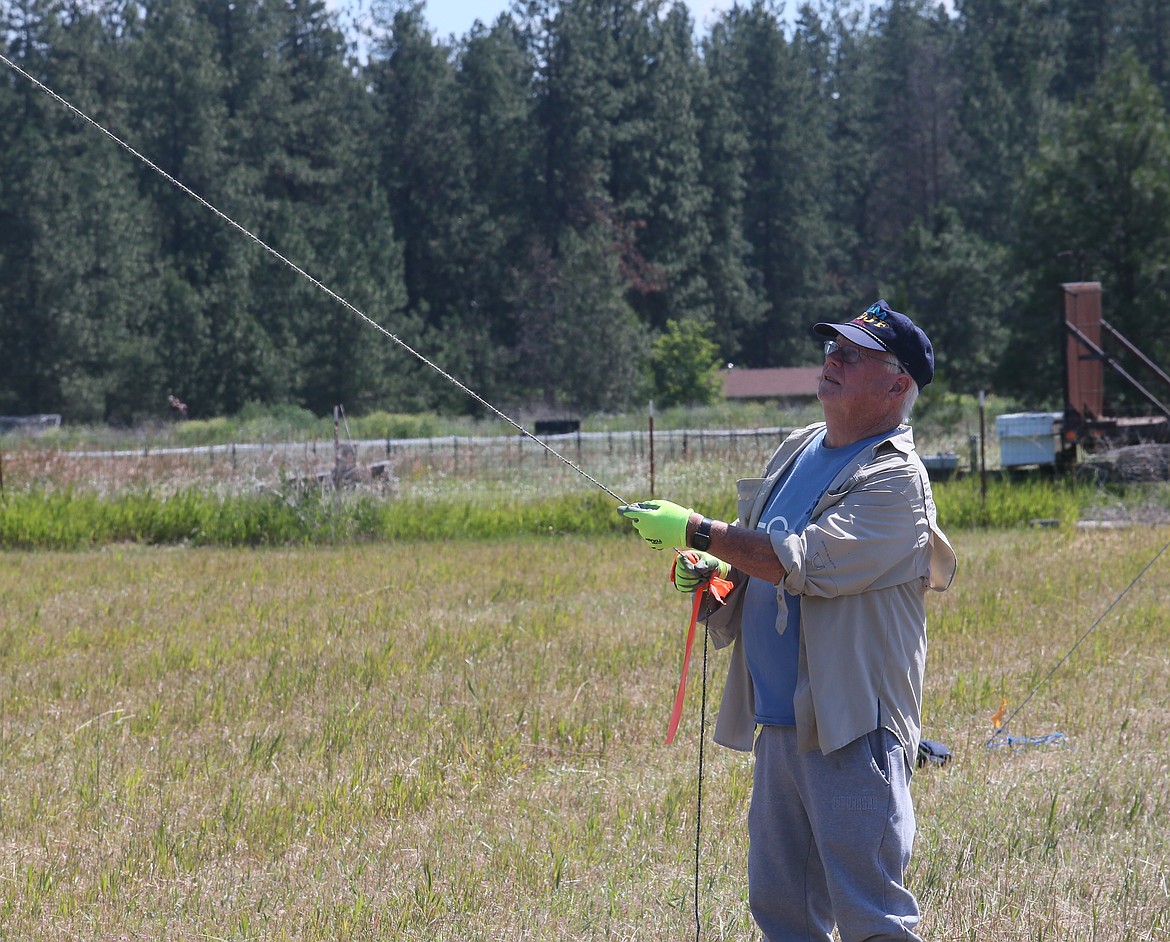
<point>909,399</point>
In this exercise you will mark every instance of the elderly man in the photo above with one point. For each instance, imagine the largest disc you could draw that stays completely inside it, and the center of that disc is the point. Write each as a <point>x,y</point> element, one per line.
<point>831,556</point>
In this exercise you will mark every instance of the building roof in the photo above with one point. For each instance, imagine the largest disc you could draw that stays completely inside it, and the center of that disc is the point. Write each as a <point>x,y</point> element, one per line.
<point>780,382</point>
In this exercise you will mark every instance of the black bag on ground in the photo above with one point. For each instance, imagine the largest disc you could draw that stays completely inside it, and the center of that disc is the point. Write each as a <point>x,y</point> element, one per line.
<point>933,752</point>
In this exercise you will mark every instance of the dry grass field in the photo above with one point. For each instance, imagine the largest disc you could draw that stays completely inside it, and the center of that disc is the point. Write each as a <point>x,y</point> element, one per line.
<point>464,740</point>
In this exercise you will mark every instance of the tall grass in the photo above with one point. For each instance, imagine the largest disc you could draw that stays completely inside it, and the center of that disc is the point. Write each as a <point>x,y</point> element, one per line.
<point>463,740</point>
<point>74,519</point>
<point>1006,502</point>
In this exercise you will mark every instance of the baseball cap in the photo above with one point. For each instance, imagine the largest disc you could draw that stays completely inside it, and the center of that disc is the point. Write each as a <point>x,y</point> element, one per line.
<point>880,327</point>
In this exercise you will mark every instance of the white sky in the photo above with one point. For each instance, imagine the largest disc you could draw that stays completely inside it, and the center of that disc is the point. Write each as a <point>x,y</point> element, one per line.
<point>456,17</point>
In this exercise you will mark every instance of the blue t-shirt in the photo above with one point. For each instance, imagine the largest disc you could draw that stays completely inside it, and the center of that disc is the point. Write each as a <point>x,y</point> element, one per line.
<point>772,657</point>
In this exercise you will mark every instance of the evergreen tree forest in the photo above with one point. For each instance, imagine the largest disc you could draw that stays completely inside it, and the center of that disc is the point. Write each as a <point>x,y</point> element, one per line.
<point>578,206</point>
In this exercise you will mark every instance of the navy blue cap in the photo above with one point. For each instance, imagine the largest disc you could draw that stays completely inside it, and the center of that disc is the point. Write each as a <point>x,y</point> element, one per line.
<point>882,328</point>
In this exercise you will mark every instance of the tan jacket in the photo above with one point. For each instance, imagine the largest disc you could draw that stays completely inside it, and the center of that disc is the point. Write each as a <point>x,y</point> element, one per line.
<point>862,566</point>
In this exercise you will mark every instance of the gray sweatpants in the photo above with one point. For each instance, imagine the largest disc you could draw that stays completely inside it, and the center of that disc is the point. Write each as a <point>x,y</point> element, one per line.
<point>830,839</point>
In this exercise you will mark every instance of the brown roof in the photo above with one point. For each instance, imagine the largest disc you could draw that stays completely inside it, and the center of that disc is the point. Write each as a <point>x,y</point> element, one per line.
<point>772,383</point>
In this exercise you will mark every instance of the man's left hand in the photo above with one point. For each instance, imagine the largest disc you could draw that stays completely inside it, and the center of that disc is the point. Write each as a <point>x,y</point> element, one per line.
<point>693,570</point>
<point>659,522</point>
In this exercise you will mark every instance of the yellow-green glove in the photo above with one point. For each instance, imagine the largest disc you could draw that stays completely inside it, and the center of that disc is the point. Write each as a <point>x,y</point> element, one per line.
<point>659,522</point>
<point>693,570</point>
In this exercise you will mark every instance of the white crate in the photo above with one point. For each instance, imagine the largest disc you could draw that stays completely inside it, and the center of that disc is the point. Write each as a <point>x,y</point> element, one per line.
<point>1028,437</point>
<point>1025,424</point>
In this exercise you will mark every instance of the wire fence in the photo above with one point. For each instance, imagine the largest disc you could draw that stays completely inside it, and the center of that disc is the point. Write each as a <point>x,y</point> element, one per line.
<point>636,463</point>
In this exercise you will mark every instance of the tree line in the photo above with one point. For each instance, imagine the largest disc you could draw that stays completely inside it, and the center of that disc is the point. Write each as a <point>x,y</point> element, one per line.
<point>580,205</point>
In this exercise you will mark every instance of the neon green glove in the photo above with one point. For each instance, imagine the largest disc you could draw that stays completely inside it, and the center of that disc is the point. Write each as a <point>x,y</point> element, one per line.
<point>659,522</point>
<point>693,569</point>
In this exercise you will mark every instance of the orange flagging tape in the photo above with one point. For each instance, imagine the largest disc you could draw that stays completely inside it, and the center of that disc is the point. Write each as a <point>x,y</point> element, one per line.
<point>718,588</point>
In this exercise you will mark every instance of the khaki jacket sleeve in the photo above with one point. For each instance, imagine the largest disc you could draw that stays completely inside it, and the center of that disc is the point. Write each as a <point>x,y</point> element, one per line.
<point>870,539</point>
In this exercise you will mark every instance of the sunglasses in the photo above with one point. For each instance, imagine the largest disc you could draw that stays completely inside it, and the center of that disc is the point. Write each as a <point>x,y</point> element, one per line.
<point>850,355</point>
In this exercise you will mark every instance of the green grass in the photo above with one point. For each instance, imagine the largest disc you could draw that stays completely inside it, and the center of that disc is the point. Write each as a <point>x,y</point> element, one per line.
<point>462,739</point>
<point>76,519</point>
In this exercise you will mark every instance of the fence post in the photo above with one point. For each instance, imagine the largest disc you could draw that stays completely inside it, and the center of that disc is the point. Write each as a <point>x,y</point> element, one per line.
<point>651,447</point>
<point>982,452</point>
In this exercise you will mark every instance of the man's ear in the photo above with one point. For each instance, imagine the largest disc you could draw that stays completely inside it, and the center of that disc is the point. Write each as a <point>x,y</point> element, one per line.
<point>901,385</point>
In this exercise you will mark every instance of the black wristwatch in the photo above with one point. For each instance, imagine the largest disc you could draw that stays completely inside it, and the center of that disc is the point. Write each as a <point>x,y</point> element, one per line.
<point>701,538</point>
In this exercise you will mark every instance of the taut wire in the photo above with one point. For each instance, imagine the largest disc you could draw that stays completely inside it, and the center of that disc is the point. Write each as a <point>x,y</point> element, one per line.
<point>304,274</point>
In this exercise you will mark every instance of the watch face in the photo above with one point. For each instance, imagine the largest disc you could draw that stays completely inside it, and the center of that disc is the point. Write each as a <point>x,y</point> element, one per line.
<point>702,536</point>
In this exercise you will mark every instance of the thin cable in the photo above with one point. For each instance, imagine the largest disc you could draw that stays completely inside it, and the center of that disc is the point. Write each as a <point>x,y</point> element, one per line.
<point>1011,742</point>
<point>300,271</point>
<point>1069,653</point>
<point>699,788</point>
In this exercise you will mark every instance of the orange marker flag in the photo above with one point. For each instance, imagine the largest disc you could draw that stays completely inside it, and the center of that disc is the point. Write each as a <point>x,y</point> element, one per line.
<point>718,588</point>
<point>997,717</point>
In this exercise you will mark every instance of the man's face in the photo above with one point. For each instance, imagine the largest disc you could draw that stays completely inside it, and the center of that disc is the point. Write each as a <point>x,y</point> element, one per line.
<point>856,382</point>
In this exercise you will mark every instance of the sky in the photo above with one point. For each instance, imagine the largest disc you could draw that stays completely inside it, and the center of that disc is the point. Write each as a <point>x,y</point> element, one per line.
<point>456,17</point>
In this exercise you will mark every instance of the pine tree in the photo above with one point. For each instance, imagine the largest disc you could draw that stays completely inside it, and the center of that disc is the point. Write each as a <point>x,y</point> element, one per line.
<point>76,277</point>
<point>1097,201</point>
<point>1008,53</point>
<point>656,182</point>
<point>782,108</point>
<point>426,169</point>
<point>581,346</point>
<point>496,109</point>
<point>911,99</point>
<point>738,308</point>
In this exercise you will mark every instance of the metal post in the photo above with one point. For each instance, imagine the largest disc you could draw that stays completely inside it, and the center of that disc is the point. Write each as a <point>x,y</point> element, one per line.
<point>336,446</point>
<point>982,450</point>
<point>651,447</point>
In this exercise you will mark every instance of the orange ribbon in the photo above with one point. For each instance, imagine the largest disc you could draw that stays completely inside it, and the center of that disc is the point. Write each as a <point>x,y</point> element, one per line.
<point>718,588</point>
<point>997,717</point>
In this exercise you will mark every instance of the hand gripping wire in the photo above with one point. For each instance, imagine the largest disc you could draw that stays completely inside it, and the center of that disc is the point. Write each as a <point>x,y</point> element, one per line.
<point>300,271</point>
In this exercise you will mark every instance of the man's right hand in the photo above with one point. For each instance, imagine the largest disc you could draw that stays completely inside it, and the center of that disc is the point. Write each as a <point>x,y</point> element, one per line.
<point>693,569</point>
<point>659,522</point>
